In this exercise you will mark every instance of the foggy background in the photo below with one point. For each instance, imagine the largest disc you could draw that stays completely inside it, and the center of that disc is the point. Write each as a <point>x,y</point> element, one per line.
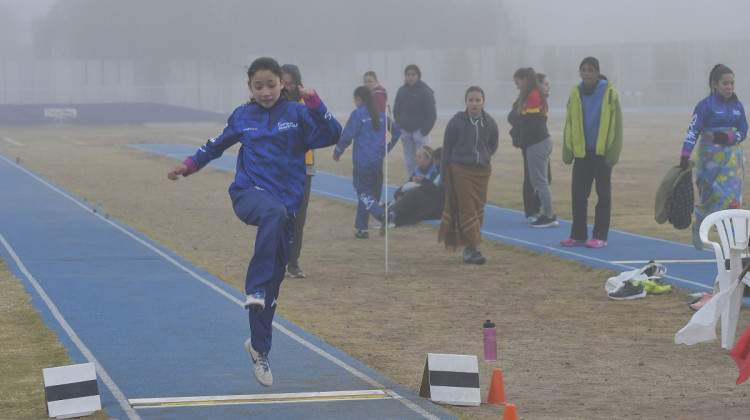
<point>193,53</point>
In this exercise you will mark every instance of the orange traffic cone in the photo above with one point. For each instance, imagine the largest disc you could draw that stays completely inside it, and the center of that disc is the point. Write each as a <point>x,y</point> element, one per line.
<point>497,388</point>
<point>510,412</point>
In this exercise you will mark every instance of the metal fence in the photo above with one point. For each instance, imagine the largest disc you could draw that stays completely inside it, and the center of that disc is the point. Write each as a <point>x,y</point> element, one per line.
<point>673,74</point>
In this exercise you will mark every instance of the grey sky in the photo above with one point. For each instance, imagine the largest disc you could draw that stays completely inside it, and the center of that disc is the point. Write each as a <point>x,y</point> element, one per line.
<point>26,10</point>
<point>566,22</point>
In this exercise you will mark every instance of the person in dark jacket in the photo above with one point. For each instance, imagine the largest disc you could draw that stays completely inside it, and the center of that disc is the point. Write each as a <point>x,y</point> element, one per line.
<point>471,138</point>
<point>292,82</point>
<point>529,121</point>
<point>415,113</point>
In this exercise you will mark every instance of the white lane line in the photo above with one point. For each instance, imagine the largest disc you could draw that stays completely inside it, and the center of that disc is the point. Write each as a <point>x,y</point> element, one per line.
<point>241,303</point>
<point>557,250</point>
<point>665,261</point>
<point>119,396</point>
<point>259,398</point>
<point>13,142</point>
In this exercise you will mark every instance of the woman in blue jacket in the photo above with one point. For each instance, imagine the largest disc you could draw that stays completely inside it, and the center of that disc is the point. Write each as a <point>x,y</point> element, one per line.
<point>368,126</point>
<point>719,123</point>
<point>274,134</point>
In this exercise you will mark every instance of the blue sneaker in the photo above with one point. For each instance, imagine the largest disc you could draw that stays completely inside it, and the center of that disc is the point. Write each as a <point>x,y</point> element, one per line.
<point>697,243</point>
<point>256,301</point>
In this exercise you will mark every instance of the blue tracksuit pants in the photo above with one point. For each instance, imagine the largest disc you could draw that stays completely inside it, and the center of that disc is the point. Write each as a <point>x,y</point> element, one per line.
<point>367,178</point>
<point>258,207</point>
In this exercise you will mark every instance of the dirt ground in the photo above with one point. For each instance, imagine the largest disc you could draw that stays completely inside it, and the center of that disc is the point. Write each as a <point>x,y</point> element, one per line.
<point>566,350</point>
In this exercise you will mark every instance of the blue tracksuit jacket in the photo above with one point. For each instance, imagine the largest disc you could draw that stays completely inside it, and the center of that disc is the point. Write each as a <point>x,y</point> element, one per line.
<point>274,142</point>
<point>369,149</point>
<point>715,114</point>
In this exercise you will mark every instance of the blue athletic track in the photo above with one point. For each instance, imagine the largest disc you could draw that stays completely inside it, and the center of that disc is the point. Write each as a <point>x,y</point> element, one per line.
<point>687,268</point>
<point>155,325</point>
<point>166,337</point>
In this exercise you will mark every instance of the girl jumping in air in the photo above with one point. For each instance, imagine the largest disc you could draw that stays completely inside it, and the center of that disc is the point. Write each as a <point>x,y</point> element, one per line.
<point>274,134</point>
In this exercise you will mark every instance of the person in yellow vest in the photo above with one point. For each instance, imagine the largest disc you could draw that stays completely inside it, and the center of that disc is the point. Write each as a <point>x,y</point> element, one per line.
<point>293,81</point>
<point>592,143</point>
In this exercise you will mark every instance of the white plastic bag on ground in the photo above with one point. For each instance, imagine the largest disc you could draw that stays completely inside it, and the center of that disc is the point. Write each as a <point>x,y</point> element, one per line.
<point>614,283</point>
<point>656,271</point>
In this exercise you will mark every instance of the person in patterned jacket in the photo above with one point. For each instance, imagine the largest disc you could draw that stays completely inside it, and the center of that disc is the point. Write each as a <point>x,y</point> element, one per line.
<point>274,134</point>
<point>718,126</point>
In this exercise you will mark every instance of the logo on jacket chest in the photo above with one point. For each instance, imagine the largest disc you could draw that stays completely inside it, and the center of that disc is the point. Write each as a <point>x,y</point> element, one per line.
<point>284,126</point>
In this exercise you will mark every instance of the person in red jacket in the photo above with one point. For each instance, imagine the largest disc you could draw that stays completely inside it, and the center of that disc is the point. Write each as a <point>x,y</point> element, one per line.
<point>529,121</point>
<point>370,80</point>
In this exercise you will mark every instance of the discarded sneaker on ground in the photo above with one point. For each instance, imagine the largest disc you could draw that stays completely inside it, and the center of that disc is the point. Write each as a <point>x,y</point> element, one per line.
<point>653,286</point>
<point>702,302</point>
<point>628,291</point>
<point>695,297</point>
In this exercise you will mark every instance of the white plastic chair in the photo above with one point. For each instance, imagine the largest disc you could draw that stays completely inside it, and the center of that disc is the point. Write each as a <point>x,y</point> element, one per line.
<point>733,229</point>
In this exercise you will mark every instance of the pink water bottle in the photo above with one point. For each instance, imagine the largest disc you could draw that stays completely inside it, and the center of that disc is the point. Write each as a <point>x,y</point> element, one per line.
<point>490,341</point>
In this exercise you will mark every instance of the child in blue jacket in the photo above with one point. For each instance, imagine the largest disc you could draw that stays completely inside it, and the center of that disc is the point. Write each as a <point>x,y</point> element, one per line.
<point>368,125</point>
<point>274,134</point>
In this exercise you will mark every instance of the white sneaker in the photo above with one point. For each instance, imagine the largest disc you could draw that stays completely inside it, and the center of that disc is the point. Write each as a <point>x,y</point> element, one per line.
<point>261,367</point>
<point>256,301</point>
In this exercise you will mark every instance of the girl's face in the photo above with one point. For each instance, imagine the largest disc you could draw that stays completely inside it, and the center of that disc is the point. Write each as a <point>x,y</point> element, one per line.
<point>357,101</point>
<point>265,87</point>
<point>422,160</point>
<point>589,75</point>
<point>289,82</point>
<point>411,77</point>
<point>369,81</point>
<point>725,85</point>
<point>545,86</point>
<point>519,82</point>
<point>475,103</point>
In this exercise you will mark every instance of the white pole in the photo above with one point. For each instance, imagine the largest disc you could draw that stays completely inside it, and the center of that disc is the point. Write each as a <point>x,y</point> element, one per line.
<point>388,138</point>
